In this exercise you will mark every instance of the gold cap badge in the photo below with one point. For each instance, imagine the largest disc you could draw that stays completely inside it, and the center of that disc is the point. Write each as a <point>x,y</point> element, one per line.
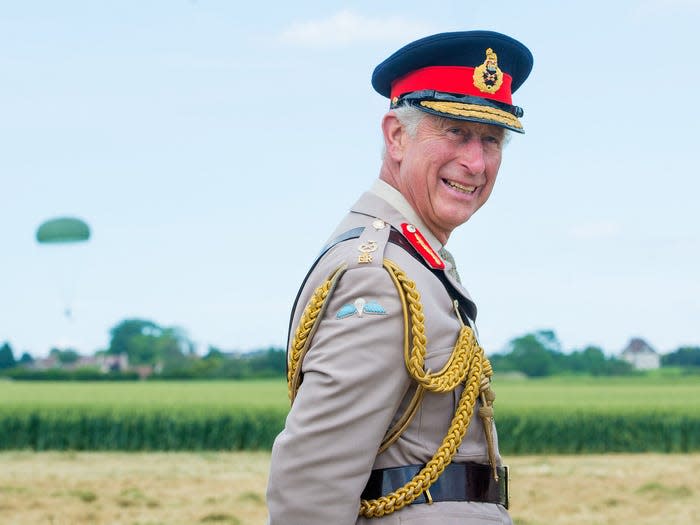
<point>488,77</point>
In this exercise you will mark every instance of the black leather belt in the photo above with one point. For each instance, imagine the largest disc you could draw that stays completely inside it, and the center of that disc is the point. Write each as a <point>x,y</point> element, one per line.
<point>458,482</point>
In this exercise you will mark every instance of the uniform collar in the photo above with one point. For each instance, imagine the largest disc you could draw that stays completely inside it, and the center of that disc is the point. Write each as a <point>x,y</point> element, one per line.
<point>394,198</point>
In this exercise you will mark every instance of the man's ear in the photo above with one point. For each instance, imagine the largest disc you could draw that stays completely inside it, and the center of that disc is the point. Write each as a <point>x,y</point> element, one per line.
<point>394,137</point>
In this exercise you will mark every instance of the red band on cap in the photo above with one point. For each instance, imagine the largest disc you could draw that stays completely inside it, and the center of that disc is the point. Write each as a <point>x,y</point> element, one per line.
<point>448,79</point>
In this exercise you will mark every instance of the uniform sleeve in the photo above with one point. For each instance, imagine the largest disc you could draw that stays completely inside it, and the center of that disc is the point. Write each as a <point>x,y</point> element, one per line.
<point>354,380</point>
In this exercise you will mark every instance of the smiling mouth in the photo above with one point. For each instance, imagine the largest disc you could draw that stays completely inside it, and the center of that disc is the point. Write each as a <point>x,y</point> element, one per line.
<point>459,187</point>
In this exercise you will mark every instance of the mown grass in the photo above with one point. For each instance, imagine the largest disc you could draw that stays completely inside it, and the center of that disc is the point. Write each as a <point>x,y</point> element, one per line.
<point>229,488</point>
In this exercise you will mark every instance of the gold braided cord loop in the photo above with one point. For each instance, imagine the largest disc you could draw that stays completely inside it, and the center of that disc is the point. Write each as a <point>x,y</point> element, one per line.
<point>467,362</point>
<point>397,429</point>
<point>307,325</point>
<point>467,365</point>
<point>422,481</point>
<point>300,345</point>
<point>455,370</point>
<point>462,109</point>
<point>453,373</point>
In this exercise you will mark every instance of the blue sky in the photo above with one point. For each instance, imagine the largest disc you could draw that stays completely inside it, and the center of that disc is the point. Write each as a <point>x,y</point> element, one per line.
<point>212,146</point>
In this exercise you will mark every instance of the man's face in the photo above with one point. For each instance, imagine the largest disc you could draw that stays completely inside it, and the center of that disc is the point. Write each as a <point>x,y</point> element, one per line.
<point>448,170</point>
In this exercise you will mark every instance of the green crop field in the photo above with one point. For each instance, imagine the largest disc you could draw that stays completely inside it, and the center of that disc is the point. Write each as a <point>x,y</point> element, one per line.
<point>154,415</point>
<point>616,395</point>
<point>569,415</point>
<point>613,395</point>
<point>144,395</point>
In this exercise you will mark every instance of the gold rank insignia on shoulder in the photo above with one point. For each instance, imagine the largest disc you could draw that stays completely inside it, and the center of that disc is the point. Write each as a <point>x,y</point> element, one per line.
<point>488,77</point>
<point>366,249</point>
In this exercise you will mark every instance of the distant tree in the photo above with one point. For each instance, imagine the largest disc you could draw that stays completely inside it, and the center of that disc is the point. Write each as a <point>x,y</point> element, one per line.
<point>617,367</point>
<point>214,353</point>
<point>548,339</point>
<point>539,354</point>
<point>26,359</point>
<point>592,360</point>
<point>65,357</point>
<point>147,343</point>
<point>131,337</point>
<point>268,363</point>
<point>256,364</point>
<point>7,357</point>
<point>684,356</point>
<point>535,354</point>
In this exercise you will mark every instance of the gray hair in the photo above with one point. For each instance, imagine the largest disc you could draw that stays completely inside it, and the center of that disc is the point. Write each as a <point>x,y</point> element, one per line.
<point>410,118</point>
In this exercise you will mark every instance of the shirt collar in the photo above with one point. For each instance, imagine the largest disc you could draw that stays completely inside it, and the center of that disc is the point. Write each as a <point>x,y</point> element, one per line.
<point>391,195</point>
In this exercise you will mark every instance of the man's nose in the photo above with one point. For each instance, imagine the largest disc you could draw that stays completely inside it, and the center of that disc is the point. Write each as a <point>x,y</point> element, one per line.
<point>472,157</point>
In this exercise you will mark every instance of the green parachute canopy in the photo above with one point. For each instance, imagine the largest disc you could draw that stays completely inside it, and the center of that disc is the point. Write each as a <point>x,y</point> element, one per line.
<point>63,230</point>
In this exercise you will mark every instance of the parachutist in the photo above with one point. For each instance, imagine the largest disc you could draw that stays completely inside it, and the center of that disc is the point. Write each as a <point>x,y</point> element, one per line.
<point>66,231</point>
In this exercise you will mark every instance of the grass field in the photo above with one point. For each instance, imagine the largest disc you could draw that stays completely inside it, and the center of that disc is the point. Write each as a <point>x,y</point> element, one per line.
<point>555,415</point>
<point>211,487</point>
<point>623,394</point>
<point>145,394</point>
<point>229,488</point>
<point>678,394</point>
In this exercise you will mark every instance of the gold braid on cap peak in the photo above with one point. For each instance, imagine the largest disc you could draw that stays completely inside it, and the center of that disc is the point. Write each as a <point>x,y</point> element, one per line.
<point>466,366</point>
<point>462,109</point>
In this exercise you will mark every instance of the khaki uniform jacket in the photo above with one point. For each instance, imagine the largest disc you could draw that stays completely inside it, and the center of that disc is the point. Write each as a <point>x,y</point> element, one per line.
<point>355,384</point>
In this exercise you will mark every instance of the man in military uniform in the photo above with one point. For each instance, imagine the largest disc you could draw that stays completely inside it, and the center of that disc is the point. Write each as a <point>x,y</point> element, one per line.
<point>391,414</point>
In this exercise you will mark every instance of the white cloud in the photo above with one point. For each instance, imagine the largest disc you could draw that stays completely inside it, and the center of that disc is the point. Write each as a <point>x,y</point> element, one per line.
<point>596,230</point>
<point>347,27</point>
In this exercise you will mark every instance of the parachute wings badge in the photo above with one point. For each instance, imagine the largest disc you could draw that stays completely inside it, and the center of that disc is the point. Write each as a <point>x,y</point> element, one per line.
<point>360,307</point>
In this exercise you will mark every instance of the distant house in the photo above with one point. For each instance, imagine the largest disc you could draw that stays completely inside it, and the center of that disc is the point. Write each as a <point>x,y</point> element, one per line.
<point>640,355</point>
<point>104,362</point>
<point>43,363</point>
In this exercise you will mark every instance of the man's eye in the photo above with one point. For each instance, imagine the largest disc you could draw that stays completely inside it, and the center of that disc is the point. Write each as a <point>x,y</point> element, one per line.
<point>460,134</point>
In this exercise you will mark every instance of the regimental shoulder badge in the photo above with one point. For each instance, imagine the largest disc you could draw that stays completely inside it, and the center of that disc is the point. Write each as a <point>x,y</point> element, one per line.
<point>415,237</point>
<point>488,78</point>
